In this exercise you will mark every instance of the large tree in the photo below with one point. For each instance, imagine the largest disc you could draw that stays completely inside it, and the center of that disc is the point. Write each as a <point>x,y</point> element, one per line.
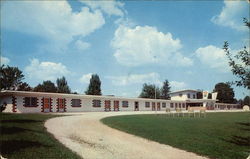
<point>165,90</point>
<point>24,87</point>
<point>246,100</point>
<point>240,63</point>
<point>10,77</point>
<point>94,87</point>
<point>46,86</point>
<point>225,93</point>
<point>62,85</point>
<point>150,91</point>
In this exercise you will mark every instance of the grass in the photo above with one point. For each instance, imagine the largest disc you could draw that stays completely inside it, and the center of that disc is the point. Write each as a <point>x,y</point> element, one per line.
<point>24,136</point>
<point>219,135</point>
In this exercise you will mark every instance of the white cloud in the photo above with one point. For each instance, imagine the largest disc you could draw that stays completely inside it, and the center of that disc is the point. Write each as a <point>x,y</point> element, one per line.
<point>146,45</point>
<point>81,45</point>
<point>45,70</point>
<point>175,85</point>
<point>153,78</point>
<point>213,57</point>
<point>52,20</point>
<point>232,15</point>
<point>110,7</point>
<point>85,78</point>
<point>4,60</point>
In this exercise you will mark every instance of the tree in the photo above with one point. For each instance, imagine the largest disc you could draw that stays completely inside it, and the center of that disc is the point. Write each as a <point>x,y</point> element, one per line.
<point>10,77</point>
<point>149,91</point>
<point>225,93</point>
<point>240,63</point>
<point>24,87</point>
<point>94,87</point>
<point>62,85</point>
<point>246,100</point>
<point>46,86</point>
<point>165,90</point>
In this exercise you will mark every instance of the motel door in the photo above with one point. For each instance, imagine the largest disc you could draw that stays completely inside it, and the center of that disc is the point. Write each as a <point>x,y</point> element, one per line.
<point>61,105</point>
<point>46,104</point>
<point>153,105</point>
<point>158,106</point>
<point>116,105</point>
<point>136,106</point>
<point>107,105</point>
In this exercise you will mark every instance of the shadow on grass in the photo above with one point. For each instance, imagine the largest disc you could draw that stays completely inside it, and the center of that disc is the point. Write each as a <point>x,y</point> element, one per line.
<point>241,141</point>
<point>243,124</point>
<point>14,130</point>
<point>9,147</point>
<point>21,121</point>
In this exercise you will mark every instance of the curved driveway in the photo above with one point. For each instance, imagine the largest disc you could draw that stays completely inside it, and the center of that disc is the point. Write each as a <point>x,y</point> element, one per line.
<point>88,137</point>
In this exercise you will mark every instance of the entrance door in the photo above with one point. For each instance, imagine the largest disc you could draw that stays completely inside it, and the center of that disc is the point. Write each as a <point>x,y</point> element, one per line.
<point>46,104</point>
<point>107,105</point>
<point>159,106</point>
<point>136,106</point>
<point>153,105</point>
<point>61,105</point>
<point>116,105</point>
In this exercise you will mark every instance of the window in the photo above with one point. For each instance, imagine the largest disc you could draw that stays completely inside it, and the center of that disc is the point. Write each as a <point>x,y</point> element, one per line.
<point>163,105</point>
<point>193,96</point>
<point>171,105</point>
<point>61,103</point>
<point>96,103</point>
<point>180,95</point>
<point>124,103</point>
<point>176,105</point>
<point>147,104</point>
<point>179,105</point>
<point>30,102</point>
<point>188,95</point>
<point>76,103</point>
<point>183,105</point>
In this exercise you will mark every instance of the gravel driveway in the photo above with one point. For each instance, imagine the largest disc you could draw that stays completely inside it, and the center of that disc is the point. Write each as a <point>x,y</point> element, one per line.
<point>88,137</point>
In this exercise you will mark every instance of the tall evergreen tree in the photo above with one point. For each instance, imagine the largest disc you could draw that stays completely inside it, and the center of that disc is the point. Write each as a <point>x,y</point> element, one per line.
<point>46,86</point>
<point>165,90</point>
<point>10,77</point>
<point>225,93</point>
<point>62,85</point>
<point>94,87</point>
<point>149,91</point>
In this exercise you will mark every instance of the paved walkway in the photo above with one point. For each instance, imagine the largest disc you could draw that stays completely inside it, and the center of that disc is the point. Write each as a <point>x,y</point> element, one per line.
<point>88,137</point>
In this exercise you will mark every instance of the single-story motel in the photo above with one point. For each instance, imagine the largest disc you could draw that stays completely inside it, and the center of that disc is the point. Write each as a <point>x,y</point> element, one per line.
<point>32,102</point>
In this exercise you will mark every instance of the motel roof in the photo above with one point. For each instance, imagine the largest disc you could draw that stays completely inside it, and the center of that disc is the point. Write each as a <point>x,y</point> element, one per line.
<point>185,90</point>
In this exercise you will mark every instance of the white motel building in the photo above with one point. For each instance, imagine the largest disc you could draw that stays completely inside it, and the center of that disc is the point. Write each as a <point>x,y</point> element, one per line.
<point>37,102</point>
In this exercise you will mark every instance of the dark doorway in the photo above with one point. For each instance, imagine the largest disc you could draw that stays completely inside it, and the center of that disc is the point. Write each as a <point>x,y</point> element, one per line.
<point>136,106</point>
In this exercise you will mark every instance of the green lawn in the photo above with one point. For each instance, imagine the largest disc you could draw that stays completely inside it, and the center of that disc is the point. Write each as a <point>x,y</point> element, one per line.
<point>219,135</point>
<point>24,136</point>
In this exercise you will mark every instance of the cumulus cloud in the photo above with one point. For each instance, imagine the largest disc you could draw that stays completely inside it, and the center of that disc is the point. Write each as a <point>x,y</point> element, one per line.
<point>175,85</point>
<point>213,57</point>
<point>146,45</point>
<point>232,14</point>
<point>152,77</point>
<point>110,7</point>
<point>45,70</point>
<point>4,60</point>
<point>53,20</point>
<point>85,78</point>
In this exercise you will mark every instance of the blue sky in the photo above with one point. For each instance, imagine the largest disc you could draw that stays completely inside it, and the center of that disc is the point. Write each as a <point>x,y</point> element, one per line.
<point>127,43</point>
